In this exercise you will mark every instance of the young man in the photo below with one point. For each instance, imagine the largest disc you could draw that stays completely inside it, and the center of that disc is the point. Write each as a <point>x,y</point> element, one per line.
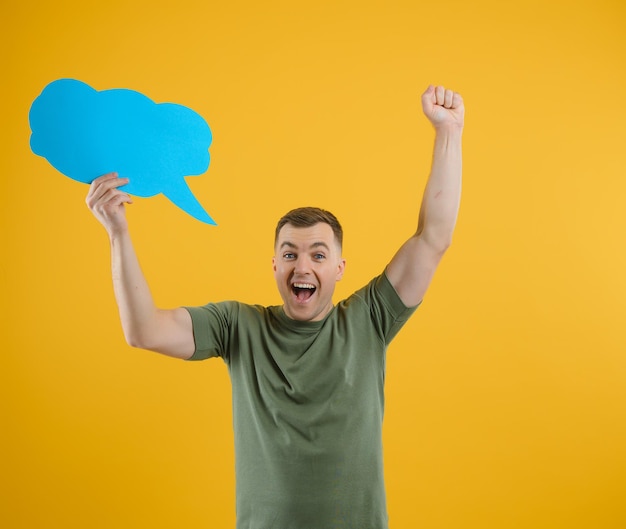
<point>307,376</point>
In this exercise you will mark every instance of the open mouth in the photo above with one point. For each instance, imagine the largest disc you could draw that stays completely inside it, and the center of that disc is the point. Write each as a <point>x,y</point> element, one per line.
<point>303,291</point>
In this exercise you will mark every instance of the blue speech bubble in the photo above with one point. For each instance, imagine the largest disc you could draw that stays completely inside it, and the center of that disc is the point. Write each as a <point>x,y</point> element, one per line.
<point>85,133</point>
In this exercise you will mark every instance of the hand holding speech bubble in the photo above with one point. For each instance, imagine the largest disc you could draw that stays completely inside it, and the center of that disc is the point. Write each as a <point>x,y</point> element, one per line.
<point>85,133</point>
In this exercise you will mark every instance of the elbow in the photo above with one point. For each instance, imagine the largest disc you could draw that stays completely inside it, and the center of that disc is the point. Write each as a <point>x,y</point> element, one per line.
<point>443,244</point>
<point>140,332</point>
<point>136,339</point>
<point>133,341</point>
<point>438,242</point>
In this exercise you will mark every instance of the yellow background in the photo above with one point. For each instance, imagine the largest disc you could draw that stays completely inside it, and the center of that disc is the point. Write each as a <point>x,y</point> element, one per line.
<point>506,394</point>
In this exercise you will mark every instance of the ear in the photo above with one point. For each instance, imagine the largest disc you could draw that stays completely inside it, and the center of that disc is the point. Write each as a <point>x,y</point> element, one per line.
<point>274,264</point>
<point>341,266</point>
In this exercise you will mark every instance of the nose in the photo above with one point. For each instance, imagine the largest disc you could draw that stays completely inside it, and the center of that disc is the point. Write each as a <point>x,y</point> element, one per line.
<point>302,266</point>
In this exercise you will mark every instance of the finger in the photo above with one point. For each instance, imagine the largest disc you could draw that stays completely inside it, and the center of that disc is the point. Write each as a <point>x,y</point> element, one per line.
<point>116,197</point>
<point>106,176</point>
<point>428,99</point>
<point>447,98</point>
<point>457,100</point>
<point>102,184</point>
<point>97,182</point>
<point>105,191</point>
<point>429,94</point>
<point>103,178</point>
<point>440,95</point>
<point>111,203</point>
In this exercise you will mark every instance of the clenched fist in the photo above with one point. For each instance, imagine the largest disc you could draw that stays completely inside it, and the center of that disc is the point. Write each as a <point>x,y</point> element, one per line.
<point>443,107</point>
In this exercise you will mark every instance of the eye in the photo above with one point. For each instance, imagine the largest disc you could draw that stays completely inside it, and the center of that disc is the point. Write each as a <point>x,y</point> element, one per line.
<point>289,256</point>
<point>319,257</point>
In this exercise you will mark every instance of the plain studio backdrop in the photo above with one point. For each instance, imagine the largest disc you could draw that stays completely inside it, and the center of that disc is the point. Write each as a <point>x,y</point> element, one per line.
<point>506,392</point>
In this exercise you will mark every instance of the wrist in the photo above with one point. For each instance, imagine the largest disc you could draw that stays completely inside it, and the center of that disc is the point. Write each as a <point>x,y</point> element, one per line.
<point>449,129</point>
<point>118,233</point>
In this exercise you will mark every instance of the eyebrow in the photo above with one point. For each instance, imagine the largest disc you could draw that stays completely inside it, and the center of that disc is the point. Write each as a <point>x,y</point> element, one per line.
<point>317,244</point>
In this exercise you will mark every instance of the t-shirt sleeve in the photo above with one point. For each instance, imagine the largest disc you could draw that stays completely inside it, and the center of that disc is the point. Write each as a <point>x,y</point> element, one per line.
<point>387,310</point>
<point>211,329</point>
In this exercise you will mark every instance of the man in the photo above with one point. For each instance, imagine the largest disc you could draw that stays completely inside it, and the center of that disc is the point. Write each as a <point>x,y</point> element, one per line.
<point>307,376</point>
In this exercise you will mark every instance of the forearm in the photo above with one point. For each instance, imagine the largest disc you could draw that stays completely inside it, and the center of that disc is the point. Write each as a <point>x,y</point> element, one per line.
<point>138,312</point>
<point>442,196</point>
<point>166,331</point>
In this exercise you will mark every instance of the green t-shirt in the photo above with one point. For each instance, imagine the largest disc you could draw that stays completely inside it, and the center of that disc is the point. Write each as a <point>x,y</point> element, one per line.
<point>307,407</point>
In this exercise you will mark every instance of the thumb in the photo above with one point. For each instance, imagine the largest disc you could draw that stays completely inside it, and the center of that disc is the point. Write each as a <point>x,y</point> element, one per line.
<point>429,99</point>
<point>429,95</point>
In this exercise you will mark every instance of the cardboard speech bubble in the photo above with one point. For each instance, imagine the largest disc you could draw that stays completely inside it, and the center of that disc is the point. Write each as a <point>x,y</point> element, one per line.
<point>85,133</point>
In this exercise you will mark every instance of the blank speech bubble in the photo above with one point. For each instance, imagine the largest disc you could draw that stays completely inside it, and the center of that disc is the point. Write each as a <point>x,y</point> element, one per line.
<point>85,133</point>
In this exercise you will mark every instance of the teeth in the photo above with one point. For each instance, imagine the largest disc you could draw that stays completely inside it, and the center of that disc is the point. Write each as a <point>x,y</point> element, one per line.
<point>304,285</point>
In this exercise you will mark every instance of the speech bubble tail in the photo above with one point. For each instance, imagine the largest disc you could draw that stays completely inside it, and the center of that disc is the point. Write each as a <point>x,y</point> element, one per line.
<point>182,196</point>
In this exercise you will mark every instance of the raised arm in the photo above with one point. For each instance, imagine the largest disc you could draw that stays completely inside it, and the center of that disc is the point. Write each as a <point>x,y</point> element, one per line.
<point>412,268</point>
<point>145,326</point>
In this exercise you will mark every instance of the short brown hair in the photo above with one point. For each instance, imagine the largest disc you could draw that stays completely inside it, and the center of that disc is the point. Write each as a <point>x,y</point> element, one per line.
<point>307,217</point>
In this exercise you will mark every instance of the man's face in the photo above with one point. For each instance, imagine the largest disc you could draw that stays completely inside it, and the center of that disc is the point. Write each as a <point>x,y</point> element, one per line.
<point>307,265</point>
